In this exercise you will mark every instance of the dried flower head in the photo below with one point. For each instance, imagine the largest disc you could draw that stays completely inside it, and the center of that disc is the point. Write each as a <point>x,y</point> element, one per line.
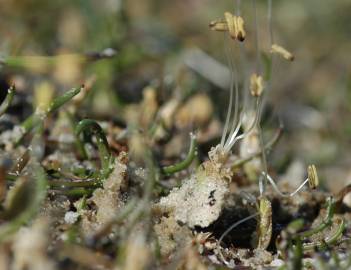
<point>256,85</point>
<point>233,24</point>
<point>239,27</point>
<point>282,52</point>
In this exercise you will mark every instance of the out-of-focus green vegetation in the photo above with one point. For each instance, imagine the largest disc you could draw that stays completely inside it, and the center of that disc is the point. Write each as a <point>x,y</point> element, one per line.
<point>149,76</point>
<point>151,36</point>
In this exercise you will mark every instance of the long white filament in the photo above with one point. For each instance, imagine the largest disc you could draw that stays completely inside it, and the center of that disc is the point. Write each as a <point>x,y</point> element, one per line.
<point>231,228</point>
<point>274,185</point>
<point>263,181</point>
<point>257,46</point>
<point>233,84</point>
<point>236,108</point>
<point>234,138</point>
<point>235,122</point>
<point>226,125</point>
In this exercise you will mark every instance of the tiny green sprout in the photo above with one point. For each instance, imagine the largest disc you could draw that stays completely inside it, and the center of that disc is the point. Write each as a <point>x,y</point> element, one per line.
<point>326,222</point>
<point>186,162</point>
<point>75,192</point>
<point>295,226</point>
<point>292,239</point>
<point>104,150</point>
<point>312,179</point>
<point>58,102</point>
<point>328,241</point>
<point>79,144</point>
<point>284,240</point>
<point>74,184</point>
<point>8,100</point>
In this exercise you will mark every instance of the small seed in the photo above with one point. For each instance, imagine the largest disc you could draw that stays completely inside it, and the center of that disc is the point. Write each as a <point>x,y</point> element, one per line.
<point>282,52</point>
<point>256,85</point>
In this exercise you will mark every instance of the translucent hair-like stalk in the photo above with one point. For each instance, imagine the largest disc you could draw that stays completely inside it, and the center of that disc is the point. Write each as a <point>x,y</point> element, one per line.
<point>229,230</point>
<point>234,120</point>
<point>233,87</point>
<point>312,180</point>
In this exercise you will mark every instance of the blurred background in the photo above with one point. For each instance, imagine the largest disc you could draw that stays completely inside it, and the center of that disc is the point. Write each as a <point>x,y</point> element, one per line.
<point>163,43</point>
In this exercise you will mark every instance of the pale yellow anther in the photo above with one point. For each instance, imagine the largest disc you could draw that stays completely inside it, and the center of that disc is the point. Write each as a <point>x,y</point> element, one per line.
<point>239,28</point>
<point>233,24</point>
<point>229,18</point>
<point>282,52</point>
<point>256,85</point>
<point>313,179</point>
<point>219,25</point>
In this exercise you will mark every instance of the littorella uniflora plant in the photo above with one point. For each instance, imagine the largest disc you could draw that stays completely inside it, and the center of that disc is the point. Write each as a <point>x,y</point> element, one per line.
<point>201,197</point>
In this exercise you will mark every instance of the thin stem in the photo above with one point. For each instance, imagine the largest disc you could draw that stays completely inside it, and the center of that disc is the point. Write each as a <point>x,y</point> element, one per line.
<point>253,124</point>
<point>36,117</point>
<point>326,222</point>
<point>238,7</point>
<point>267,147</point>
<point>235,72</point>
<point>235,225</point>
<point>65,183</point>
<point>74,192</point>
<point>231,228</point>
<point>256,42</point>
<point>42,63</point>
<point>143,207</point>
<point>331,240</point>
<point>186,162</point>
<point>270,23</point>
<point>274,185</point>
<point>78,142</point>
<point>229,112</point>
<point>297,255</point>
<point>233,139</point>
<point>8,100</point>
<point>263,182</point>
<point>234,121</point>
<point>62,184</point>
